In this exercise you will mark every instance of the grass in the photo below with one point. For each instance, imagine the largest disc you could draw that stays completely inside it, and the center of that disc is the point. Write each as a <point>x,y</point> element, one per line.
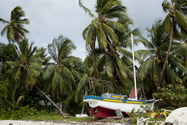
<point>55,117</point>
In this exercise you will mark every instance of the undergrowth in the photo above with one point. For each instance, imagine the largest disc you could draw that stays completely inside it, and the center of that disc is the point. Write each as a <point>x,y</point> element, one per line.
<point>29,113</point>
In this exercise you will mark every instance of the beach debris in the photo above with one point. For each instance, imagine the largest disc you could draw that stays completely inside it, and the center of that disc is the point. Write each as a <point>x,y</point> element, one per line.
<point>119,113</point>
<point>178,116</point>
<point>81,115</point>
<point>163,114</point>
<point>146,121</point>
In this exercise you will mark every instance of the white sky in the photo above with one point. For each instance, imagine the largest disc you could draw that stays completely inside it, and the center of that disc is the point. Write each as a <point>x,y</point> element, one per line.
<point>51,18</point>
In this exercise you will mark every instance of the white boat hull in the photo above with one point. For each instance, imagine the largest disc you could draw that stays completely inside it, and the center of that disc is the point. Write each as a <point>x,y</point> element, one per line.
<point>125,106</point>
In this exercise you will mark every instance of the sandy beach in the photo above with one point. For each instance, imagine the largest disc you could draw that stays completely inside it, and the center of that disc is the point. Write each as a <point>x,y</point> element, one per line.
<point>22,122</point>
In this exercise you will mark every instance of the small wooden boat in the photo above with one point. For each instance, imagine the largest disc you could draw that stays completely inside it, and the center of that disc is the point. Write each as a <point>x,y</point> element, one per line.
<point>108,103</point>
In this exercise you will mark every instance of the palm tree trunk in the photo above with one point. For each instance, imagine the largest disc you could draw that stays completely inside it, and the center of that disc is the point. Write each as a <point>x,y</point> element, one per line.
<point>60,104</point>
<point>25,82</point>
<point>116,88</point>
<point>94,39</point>
<point>171,38</point>
<point>60,110</point>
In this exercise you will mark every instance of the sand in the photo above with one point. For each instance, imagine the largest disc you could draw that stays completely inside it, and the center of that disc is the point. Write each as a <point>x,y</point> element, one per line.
<point>22,122</point>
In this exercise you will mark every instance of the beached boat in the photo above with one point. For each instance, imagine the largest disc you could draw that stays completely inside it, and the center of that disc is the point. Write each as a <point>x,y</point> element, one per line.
<point>108,103</point>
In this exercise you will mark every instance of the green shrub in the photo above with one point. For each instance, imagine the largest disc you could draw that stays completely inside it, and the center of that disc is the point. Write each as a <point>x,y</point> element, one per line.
<point>24,111</point>
<point>42,112</point>
<point>172,95</point>
<point>5,114</point>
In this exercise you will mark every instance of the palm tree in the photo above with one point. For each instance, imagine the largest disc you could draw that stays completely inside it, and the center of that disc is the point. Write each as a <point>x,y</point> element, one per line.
<point>15,27</point>
<point>63,73</point>
<point>153,59</point>
<point>25,69</point>
<point>28,65</point>
<point>103,27</point>
<point>174,23</point>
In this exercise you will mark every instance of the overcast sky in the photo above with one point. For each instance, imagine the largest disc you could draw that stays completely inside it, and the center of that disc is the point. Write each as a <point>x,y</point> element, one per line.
<point>51,18</point>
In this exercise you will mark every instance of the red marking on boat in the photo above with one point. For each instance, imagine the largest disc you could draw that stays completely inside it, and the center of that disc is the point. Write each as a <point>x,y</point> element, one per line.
<point>100,112</point>
<point>132,93</point>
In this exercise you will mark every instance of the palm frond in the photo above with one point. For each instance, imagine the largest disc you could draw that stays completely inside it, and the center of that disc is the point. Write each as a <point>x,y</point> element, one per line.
<point>103,39</point>
<point>167,24</point>
<point>107,7</point>
<point>4,30</point>
<point>89,37</point>
<point>14,64</point>
<point>144,54</point>
<point>111,33</point>
<point>120,66</point>
<point>172,77</point>
<point>4,21</point>
<point>81,83</point>
<point>116,26</point>
<point>95,23</point>
<point>109,67</point>
<point>34,72</point>
<point>116,15</point>
<point>85,31</point>
<point>55,80</point>
<point>181,19</point>
<point>85,9</point>
<point>18,73</point>
<point>75,73</point>
<point>30,79</point>
<point>117,9</point>
<point>145,42</point>
<point>49,71</point>
<point>166,5</point>
<point>66,72</point>
<point>145,68</point>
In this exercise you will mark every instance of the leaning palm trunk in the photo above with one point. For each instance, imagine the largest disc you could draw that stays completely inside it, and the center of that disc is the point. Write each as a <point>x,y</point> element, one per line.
<point>171,38</point>
<point>59,109</point>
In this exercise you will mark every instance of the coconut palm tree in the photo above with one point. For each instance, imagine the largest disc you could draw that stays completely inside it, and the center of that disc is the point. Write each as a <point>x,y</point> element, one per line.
<point>103,28</point>
<point>63,73</point>
<point>14,29</point>
<point>28,65</point>
<point>174,23</point>
<point>153,59</point>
